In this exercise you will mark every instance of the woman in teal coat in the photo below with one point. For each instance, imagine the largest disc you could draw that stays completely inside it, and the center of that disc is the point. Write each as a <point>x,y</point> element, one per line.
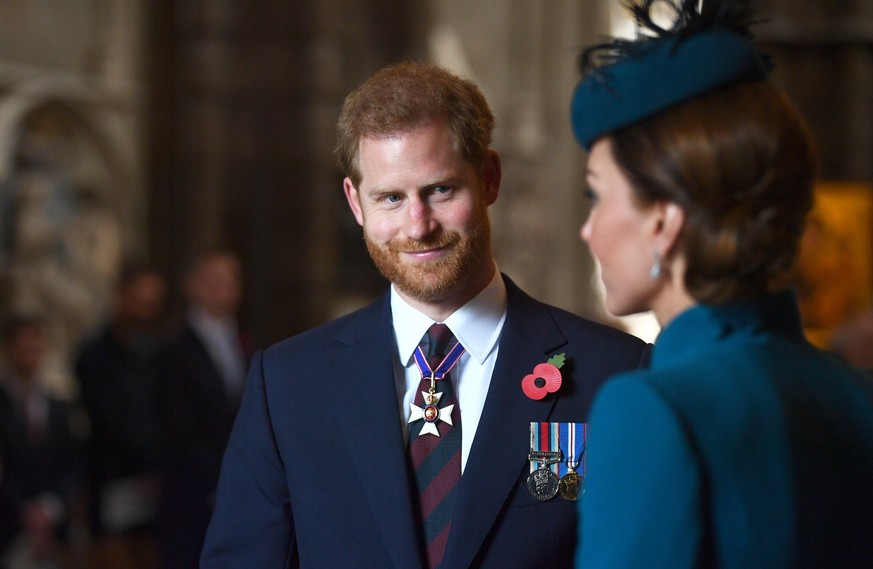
<point>743,446</point>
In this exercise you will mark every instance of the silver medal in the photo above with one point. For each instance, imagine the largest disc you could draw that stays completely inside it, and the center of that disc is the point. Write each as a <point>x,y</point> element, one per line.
<point>542,483</point>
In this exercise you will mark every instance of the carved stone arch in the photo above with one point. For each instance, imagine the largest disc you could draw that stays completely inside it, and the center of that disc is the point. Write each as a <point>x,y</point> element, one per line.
<point>68,201</point>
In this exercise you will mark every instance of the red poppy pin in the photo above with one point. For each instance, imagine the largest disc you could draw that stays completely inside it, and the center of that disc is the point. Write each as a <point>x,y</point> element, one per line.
<point>546,378</point>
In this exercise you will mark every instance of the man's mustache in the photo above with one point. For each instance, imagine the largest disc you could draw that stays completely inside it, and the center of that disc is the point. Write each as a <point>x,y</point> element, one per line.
<point>429,244</point>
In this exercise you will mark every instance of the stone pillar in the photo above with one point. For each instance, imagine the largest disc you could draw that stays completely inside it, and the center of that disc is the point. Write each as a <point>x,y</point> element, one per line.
<point>525,64</point>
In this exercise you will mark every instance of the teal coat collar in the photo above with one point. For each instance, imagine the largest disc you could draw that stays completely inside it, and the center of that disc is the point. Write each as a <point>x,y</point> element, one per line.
<point>700,327</point>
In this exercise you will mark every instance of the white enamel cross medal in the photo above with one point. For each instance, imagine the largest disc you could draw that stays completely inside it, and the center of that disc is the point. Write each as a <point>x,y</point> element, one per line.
<point>431,412</point>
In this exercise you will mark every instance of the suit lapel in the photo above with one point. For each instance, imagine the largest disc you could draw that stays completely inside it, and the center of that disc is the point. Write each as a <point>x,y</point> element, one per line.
<point>500,449</point>
<point>373,432</point>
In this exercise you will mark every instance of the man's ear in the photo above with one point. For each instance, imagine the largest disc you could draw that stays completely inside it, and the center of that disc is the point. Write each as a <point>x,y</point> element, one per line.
<point>354,200</point>
<point>492,172</point>
<point>671,220</point>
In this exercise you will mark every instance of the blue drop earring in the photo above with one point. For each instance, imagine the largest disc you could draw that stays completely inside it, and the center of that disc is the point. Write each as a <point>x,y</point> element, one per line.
<point>655,271</point>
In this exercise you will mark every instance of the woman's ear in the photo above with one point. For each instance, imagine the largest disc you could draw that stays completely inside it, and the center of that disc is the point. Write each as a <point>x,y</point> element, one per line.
<point>671,220</point>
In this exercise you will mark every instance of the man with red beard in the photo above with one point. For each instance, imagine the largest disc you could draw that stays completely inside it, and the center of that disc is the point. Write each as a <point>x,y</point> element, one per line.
<point>402,434</point>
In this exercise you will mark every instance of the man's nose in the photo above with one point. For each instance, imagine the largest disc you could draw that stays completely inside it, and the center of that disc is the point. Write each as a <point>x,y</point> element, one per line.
<point>419,219</point>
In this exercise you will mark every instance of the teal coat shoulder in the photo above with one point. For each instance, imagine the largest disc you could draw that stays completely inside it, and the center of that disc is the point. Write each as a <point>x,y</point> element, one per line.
<point>742,446</point>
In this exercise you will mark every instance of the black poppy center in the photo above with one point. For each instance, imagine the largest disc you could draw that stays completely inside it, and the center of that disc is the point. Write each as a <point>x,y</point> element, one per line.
<point>540,382</point>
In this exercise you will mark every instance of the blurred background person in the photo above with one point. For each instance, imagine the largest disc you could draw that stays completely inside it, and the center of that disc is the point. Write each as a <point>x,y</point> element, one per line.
<point>852,340</point>
<point>202,374</point>
<point>39,451</point>
<point>743,445</point>
<point>117,374</point>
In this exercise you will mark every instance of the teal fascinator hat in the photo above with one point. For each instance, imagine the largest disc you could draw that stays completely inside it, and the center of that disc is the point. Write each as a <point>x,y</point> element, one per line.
<point>626,81</point>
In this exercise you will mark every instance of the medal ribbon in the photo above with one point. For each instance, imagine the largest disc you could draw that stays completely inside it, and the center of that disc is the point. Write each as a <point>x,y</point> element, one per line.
<point>567,437</point>
<point>545,437</point>
<point>445,366</point>
<point>574,436</point>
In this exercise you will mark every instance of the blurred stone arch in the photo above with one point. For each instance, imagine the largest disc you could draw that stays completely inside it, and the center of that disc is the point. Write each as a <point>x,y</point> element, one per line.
<point>69,207</point>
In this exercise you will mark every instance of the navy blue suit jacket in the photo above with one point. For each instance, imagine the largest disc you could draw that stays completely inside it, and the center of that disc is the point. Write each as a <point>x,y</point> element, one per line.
<point>315,473</point>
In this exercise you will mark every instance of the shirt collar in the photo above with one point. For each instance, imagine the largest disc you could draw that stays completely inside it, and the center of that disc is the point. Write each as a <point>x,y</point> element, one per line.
<point>476,325</point>
<point>206,323</point>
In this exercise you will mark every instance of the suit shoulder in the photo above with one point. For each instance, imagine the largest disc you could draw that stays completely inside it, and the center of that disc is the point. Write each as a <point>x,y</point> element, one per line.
<point>179,345</point>
<point>594,334</point>
<point>600,329</point>
<point>604,349</point>
<point>575,327</point>
<point>346,328</point>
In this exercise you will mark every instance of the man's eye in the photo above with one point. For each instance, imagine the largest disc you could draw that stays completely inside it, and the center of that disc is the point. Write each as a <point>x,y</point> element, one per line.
<point>393,198</point>
<point>590,195</point>
<point>442,189</point>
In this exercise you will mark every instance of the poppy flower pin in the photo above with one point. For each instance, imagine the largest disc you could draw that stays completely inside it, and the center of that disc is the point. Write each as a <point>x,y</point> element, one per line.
<point>545,379</point>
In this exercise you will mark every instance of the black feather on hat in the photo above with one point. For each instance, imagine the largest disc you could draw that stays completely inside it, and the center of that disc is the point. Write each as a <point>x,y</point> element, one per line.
<point>708,46</point>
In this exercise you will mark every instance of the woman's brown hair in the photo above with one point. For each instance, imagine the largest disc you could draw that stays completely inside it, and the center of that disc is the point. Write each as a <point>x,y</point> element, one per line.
<point>741,162</point>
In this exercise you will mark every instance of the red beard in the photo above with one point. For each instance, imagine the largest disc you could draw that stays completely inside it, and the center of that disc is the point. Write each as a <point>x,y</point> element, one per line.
<point>431,281</point>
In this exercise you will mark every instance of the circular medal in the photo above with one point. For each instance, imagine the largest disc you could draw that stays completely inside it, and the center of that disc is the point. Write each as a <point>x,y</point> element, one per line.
<point>542,484</point>
<point>571,486</point>
<point>431,413</point>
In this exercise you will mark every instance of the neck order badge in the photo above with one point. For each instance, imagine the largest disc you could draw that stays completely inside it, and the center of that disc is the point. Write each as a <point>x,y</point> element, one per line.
<point>430,410</point>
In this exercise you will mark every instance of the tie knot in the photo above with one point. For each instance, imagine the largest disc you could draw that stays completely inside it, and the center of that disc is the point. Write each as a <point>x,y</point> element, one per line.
<point>438,339</point>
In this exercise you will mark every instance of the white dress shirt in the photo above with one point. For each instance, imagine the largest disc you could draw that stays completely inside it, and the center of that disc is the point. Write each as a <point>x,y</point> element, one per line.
<point>221,338</point>
<point>477,326</point>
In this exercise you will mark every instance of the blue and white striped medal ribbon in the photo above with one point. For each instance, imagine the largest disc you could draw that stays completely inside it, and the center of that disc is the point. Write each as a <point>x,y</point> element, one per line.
<point>572,483</point>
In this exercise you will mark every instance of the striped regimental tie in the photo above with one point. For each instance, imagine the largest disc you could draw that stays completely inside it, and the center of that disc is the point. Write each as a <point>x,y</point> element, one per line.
<point>435,438</point>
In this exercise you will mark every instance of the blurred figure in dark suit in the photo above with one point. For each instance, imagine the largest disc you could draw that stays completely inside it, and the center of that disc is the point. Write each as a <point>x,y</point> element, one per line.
<point>117,372</point>
<point>39,452</point>
<point>202,376</point>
